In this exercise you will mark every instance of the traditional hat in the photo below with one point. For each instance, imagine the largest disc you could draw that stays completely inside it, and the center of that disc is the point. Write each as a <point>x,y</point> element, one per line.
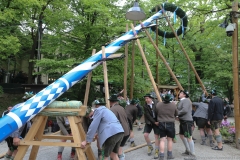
<point>134,101</point>
<point>185,92</point>
<point>167,98</point>
<point>225,102</point>
<point>28,95</point>
<point>113,98</point>
<point>122,103</point>
<point>206,101</point>
<point>214,92</point>
<point>99,101</point>
<point>149,95</point>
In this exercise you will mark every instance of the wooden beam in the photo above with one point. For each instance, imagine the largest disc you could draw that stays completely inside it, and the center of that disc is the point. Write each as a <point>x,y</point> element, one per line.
<point>40,143</point>
<point>105,78</point>
<point>118,55</point>
<point>147,66</point>
<point>125,69</point>
<point>137,147</point>
<point>85,102</point>
<point>57,137</point>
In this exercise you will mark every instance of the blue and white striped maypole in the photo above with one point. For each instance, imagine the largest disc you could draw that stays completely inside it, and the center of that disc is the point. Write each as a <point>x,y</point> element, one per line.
<point>27,110</point>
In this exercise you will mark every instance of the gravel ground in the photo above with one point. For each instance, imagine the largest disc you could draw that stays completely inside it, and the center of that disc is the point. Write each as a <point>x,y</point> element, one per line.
<point>202,152</point>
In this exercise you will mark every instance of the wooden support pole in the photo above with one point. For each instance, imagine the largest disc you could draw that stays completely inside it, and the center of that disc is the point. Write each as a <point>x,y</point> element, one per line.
<point>157,57</point>
<point>163,59</point>
<point>236,75</point>
<point>147,66</point>
<point>132,70</point>
<point>125,69</point>
<point>184,51</point>
<point>88,84</point>
<point>105,78</point>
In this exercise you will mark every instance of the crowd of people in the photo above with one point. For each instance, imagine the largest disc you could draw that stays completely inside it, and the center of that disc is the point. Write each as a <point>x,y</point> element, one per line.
<point>113,127</point>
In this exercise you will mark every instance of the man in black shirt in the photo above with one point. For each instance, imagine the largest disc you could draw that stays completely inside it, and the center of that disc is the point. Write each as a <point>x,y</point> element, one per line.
<point>215,117</point>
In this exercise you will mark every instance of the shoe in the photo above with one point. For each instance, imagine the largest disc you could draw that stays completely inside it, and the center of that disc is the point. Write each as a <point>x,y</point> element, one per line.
<point>72,156</point>
<point>161,158</point>
<point>170,157</point>
<point>59,157</point>
<point>216,148</point>
<point>190,157</point>
<point>150,149</point>
<point>156,154</point>
<point>203,143</point>
<point>212,144</point>
<point>7,157</point>
<point>133,144</point>
<point>139,129</point>
<point>11,158</point>
<point>186,153</point>
<point>121,157</point>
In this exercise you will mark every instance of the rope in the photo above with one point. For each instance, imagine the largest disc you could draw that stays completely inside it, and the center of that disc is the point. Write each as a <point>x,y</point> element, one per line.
<point>164,38</point>
<point>183,28</point>
<point>174,15</point>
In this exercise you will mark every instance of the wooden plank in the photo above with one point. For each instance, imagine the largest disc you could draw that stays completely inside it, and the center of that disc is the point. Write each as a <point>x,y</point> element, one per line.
<point>57,137</point>
<point>88,149</point>
<point>118,55</point>
<point>76,137</point>
<point>41,143</point>
<point>37,121</point>
<point>167,87</point>
<point>38,137</point>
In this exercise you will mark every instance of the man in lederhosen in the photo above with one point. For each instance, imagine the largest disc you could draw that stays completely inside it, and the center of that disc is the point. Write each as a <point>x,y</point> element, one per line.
<point>186,121</point>
<point>151,124</point>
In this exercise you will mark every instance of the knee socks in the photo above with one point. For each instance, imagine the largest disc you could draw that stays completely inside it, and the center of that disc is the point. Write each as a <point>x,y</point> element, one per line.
<point>186,144</point>
<point>191,145</point>
<point>218,138</point>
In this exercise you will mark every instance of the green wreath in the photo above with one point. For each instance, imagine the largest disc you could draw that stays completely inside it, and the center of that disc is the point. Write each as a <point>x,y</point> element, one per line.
<point>179,12</point>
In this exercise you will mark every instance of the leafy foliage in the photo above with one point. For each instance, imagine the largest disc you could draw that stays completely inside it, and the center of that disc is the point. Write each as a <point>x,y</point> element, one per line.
<point>70,29</point>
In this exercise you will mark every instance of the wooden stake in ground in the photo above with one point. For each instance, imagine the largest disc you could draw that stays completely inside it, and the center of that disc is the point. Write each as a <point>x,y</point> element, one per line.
<point>163,59</point>
<point>184,51</point>
<point>147,66</point>
<point>88,84</point>
<point>105,78</point>
<point>132,70</point>
<point>235,75</point>
<point>125,69</point>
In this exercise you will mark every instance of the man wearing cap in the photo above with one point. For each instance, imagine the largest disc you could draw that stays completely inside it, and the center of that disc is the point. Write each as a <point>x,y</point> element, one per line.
<point>132,111</point>
<point>215,117</point>
<point>166,113</point>
<point>151,124</point>
<point>121,115</point>
<point>201,115</point>
<point>186,121</point>
<point>109,129</point>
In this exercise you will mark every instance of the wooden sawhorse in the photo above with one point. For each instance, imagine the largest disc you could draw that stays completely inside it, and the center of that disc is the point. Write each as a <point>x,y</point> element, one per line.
<point>35,135</point>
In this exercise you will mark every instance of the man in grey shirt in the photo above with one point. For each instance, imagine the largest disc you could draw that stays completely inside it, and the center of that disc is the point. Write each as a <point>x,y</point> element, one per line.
<point>201,115</point>
<point>186,121</point>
